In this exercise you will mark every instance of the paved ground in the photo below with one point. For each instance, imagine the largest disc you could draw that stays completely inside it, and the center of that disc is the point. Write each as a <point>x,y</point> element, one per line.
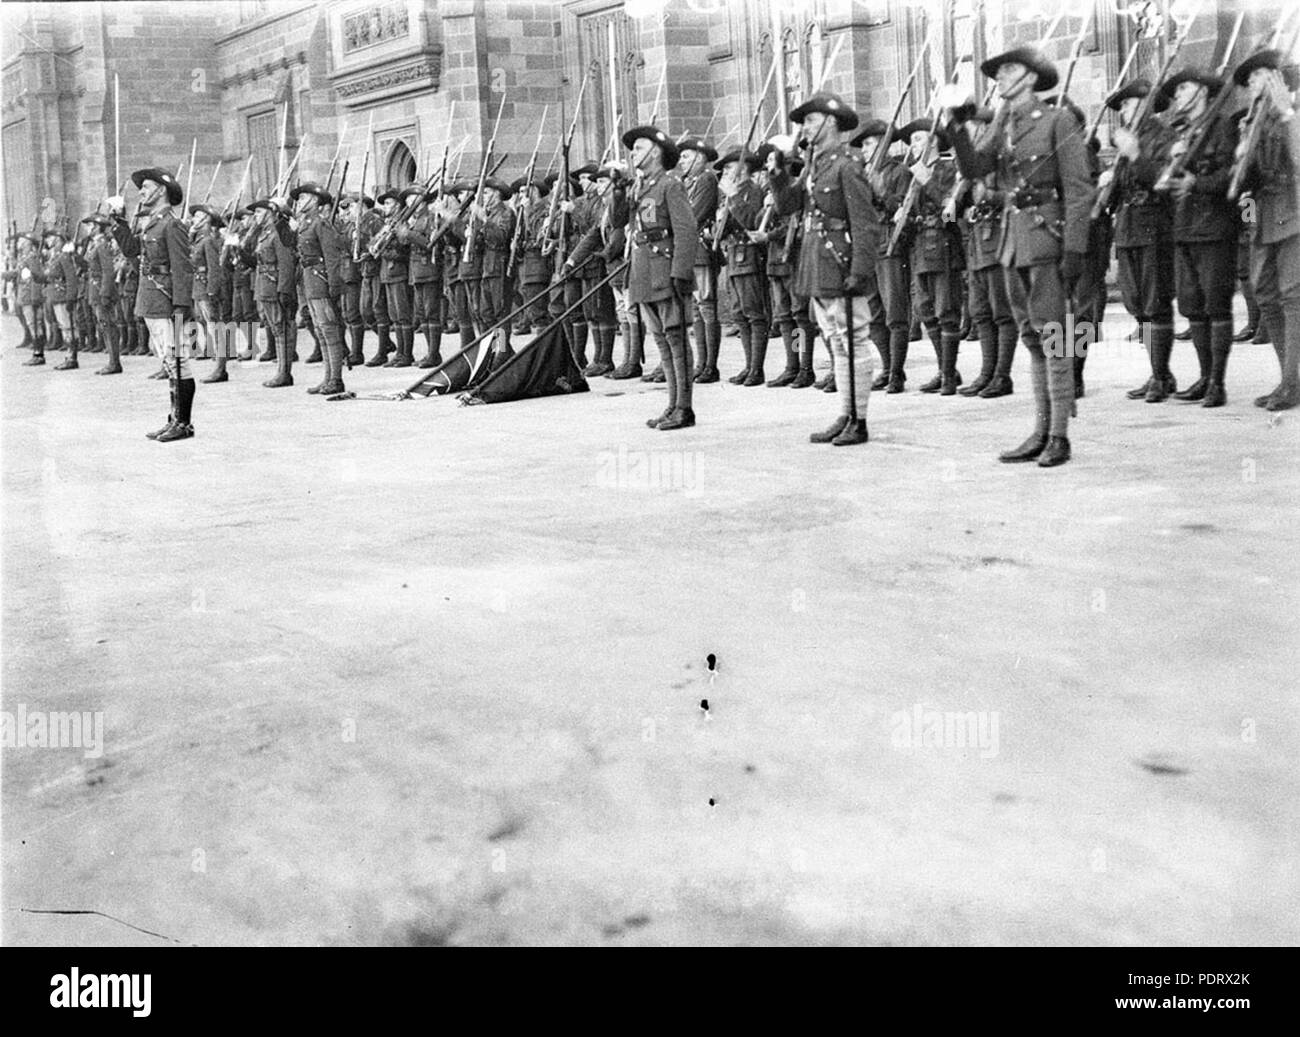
<point>419,673</point>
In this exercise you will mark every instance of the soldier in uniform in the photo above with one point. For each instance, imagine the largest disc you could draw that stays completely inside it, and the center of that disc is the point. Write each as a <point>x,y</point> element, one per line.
<point>534,263</point>
<point>601,247</point>
<point>132,329</point>
<point>490,233</point>
<point>592,220</point>
<point>738,214</point>
<point>893,273</point>
<point>777,234</point>
<point>701,184</point>
<point>105,299</point>
<point>166,289</point>
<point>348,303</point>
<point>562,235</point>
<point>1037,157</point>
<point>935,253</point>
<point>1143,232</point>
<point>448,209</point>
<point>425,279</point>
<point>28,274</point>
<point>61,282</point>
<point>394,263</point>
<point>211,284</point>
<point>1205,227</point>
<point>837,261</point>
<point>374,300</point>
<point>320,253</point>
<point>664,235</point>
<point>1272,178</point>
<point>276,291</point>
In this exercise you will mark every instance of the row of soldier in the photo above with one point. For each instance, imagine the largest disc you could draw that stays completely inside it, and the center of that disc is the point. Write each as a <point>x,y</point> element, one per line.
<point>996,214</point>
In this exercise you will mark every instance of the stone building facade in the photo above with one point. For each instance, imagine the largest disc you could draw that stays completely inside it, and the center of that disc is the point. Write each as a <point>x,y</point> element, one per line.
<point>408,78</point>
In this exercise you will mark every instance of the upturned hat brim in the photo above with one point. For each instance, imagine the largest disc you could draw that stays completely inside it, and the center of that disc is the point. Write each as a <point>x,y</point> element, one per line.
<point>1139,88</point>
<point>828,104</point>
<point>1045,75</point>
<point>1212,83</point>
<point>175,194</point>
<point>656,136</point>
<point>709,152</point>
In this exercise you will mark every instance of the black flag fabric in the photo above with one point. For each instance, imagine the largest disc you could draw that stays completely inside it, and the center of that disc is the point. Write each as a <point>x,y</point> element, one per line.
<point>544,367</point>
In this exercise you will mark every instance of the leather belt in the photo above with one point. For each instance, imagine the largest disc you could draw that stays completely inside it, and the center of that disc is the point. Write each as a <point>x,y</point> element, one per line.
<point>1028,199</point>
<point>644,237</point>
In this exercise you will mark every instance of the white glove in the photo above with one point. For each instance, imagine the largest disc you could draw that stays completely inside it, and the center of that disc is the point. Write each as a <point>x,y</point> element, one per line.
<point>67,247</point>
<point>231,239</point>
<point>117,204</point>
<point>27,274</point>
<point>921,172</point>
<point>293,224</point>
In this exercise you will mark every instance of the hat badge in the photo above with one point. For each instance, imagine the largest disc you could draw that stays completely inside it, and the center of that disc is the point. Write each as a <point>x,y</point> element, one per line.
<point>832,103</point>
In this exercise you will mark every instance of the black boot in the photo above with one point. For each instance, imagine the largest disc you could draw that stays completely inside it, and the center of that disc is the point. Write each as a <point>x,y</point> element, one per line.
<point>357,337</point>
<point>829,435</point>
<point>1162,379</point>
<point>1184,335</point>
<point>746,344</point>
<point>385,347</point>
<point>633,353</point>
<point>949,377</point>
<point>935,383</point>
<point>1056,452</point>
<point>1220,347</point>
<point>882,379</point>
<point>713,343</point>
<point>433,346</point>
<point>69,364</point>
<point>988,339</point>
<point>898,346</point>
<point>283,377</point>
<point>805,377</point>
<point>1026,451</point>
<point>604,362</point>
<point>182,427</point>
<point>1201,342</point>
<point>114,343</point>
<point>698,334</point>
<point>758,339</point>
<point>579,329</point>
<point>791,371</point>
<point>315,357</point>
<point>1145,333</point>
<point>171,414</point>
<point>853,432</point>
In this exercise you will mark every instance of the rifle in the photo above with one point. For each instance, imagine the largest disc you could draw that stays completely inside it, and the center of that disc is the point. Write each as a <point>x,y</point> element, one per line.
<point>250,235</point>
<point>1254,122</point>
<point>441,232</point>
<point>189,180</point>
<point>557,244</point>
<point>904,213</point>
<point>882,148</point>
<point>720,217</point>
<point>482,175</point>
<point>1076,50</point>
<point>1102,202</point>
<point>523,209</point>
<point>1119,81</point>
<point>213,182</point>
<point>329,177</point>
<point>239,195</point>
<point>361,201</point>
<point>1200,134</point>
<point>400,217</point>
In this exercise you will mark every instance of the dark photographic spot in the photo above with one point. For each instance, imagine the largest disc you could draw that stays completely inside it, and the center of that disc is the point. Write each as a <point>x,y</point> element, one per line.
<point>704,705</point>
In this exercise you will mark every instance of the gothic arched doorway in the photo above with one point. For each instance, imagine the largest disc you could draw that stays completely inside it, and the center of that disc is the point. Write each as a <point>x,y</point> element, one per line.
<point>400,168</point>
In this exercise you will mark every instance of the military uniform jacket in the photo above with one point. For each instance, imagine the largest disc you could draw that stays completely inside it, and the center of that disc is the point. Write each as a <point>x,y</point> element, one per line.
<point>106,274</point>
<point>277,269</point>
<point>1271,179</point>
<point>740,213</point>
<point>587,211</point>
<point>371,223</point>
<point>1144,216</point>
<point>778,262</point>
<point>665,238</point>
<point>349,268</point>
<point>936,245</point>
<point>1038,157</point>
<point>418,235</point>
<point>166,275</point>
<point>605,242</point>
<point>60,278</point>
<point>1204,213</point>
<point>841,232</point>
<point>210,279</point>
<point>895,179</point>
<point>320,254</point>
<point>535,267</point>
<point>984,220</point>
<point>394,261</point>
<point>702,193</point>
<point>493,239</point>
<point>29,287</point>
<point>90,266</point>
